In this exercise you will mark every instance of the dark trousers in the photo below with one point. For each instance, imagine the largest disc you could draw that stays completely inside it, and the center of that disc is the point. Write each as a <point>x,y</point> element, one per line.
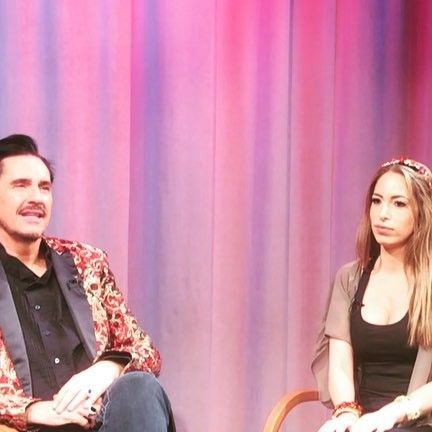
<point>136,402</point>
<point>425,428</point>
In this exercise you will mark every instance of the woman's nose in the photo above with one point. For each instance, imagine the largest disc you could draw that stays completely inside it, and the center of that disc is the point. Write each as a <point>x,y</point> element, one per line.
<point>384,212</point>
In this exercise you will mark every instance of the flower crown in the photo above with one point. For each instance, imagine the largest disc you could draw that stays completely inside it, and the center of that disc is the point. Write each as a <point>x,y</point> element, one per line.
<point>417,167</point>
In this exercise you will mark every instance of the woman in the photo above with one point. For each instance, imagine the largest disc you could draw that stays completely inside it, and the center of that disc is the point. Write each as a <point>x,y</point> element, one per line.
<point>374,348</point>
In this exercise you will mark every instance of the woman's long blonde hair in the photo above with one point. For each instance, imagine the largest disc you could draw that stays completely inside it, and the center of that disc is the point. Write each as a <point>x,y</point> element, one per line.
<point>418,256</point>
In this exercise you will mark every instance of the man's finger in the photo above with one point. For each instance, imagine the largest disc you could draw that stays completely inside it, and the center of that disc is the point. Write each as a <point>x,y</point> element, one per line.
<point>81,397</point>
<point>70,400</point>
<point>93,399</point>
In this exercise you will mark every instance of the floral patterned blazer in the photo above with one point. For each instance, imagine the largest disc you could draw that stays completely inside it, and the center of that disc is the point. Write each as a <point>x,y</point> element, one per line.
<point>100,314</point>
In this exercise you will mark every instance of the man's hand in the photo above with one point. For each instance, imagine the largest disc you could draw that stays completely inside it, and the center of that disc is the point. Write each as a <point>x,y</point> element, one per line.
<point>43,413</point>
<point>84,388</point>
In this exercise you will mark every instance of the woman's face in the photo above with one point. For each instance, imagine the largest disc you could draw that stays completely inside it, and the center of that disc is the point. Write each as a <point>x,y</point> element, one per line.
<point>391,211</point>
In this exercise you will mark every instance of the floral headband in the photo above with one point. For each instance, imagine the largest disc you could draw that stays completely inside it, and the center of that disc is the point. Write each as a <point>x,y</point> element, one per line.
<point>417,167</point>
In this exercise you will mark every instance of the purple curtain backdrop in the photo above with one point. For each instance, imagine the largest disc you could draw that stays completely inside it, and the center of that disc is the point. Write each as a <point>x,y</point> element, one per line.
<point>219,152</point>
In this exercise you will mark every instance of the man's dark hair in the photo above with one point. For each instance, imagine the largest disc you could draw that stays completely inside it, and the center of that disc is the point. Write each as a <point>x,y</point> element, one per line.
<point>17,145</point>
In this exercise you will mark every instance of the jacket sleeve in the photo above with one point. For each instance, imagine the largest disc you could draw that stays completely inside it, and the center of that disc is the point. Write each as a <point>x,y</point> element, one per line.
<point>125,335</point>
<point>334,325</point>
<point>338,311</point>
<point>13,401</point>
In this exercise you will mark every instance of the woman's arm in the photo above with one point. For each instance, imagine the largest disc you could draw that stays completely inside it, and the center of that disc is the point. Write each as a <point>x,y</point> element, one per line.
<point>341,384</point>
<point>341,371</point>
<point>422,398</point>
<point>418,403</point>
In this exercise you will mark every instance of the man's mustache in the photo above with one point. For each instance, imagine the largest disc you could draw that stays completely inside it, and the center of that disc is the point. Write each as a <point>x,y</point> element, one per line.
<point>37,208</point>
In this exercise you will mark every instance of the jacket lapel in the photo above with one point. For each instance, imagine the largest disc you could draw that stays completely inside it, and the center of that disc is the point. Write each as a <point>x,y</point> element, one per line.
<point>72,287</point>
<point>12,334</point>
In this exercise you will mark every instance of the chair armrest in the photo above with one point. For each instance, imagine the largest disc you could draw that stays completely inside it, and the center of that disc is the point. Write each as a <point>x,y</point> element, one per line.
<point>285,405</point>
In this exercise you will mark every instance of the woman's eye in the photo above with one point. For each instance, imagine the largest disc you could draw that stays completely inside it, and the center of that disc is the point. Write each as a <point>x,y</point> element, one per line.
<point>375,200</point>
<point>400,204</point>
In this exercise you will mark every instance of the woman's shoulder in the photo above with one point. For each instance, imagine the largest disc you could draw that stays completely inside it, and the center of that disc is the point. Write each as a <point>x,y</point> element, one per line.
<point>349,268</point>
<point>348,274</point>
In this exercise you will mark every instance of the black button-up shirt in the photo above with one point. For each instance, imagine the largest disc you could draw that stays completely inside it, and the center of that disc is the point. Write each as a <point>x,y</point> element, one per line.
<point>54,349</point>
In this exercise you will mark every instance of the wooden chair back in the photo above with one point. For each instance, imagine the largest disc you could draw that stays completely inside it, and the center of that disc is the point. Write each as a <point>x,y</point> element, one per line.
<point>285,405</point>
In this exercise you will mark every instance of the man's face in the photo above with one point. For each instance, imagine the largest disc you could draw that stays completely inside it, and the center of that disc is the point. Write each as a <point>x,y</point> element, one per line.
<point>25,199</point>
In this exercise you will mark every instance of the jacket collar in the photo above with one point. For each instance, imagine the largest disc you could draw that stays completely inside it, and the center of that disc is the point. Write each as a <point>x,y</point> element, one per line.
<point>72,287</point>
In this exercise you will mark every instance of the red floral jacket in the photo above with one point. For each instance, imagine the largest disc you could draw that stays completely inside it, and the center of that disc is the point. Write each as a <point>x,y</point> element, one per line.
<point>99,312</point>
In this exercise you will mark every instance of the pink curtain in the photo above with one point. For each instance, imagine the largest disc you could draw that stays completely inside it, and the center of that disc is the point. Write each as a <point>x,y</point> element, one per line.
<point>219,152</point>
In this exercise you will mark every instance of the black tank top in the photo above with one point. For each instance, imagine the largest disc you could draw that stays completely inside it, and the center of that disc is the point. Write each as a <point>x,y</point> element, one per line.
<point>383,359</point>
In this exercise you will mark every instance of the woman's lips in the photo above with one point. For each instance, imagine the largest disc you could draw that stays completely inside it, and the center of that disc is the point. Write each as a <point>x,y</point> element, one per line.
<point>383,229</point>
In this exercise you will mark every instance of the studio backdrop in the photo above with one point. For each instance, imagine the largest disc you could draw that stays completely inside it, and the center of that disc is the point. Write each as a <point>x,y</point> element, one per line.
<point>219,151</point>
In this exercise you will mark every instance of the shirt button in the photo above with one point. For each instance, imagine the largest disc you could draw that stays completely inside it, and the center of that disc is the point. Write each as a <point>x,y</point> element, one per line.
<point>37,307</point>
<point>56,360</point>
<point>47,332</point>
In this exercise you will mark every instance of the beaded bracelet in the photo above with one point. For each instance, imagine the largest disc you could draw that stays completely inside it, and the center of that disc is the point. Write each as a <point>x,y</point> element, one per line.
<point>347,407</point>
<point>411,408</point>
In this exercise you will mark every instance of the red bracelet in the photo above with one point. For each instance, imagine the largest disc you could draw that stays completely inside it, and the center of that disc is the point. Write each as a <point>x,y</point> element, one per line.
<point>344,407</point>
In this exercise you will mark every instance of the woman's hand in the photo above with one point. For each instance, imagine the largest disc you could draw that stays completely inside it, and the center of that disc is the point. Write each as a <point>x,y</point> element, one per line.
<point>341,423</point>
<point>382,420</point>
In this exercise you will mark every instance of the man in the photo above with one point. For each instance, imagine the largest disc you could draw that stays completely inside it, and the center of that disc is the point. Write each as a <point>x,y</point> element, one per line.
<point>67,338</point>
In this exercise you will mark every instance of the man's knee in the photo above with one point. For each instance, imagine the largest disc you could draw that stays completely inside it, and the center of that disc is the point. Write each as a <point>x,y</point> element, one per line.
<point>138,383</point>
<point>136,401</point>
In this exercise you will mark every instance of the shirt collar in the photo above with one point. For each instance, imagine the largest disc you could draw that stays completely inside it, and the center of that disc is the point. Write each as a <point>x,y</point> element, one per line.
<point>14,267</point>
